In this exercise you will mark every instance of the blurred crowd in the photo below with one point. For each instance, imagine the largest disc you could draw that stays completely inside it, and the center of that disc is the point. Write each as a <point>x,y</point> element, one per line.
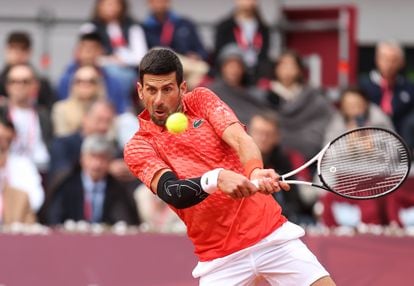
<point>61,144</point>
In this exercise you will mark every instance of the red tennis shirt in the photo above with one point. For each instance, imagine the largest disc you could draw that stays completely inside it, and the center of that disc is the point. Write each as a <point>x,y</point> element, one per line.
<point>219,225</point>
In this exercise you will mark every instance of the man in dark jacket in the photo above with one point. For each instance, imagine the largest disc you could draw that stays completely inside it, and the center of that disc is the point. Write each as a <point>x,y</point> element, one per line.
<point>89,193</point>
<point>387,88</point>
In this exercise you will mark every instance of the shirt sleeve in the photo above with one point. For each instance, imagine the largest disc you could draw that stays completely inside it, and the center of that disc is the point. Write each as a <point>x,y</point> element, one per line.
<point>213,109</point>
<point>143,160</point>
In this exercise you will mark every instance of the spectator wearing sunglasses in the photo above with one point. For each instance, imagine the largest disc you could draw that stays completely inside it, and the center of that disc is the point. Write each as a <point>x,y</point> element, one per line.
<point>18,50</point>
<point>86,88</point>
<point>32,121</point>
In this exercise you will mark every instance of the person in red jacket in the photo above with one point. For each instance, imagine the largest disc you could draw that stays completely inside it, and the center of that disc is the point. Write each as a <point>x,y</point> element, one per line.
<point>205,175</point>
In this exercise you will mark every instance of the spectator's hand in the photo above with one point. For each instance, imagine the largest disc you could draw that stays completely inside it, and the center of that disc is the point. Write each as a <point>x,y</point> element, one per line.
<point>268,181</point>
<point>235,185</point>
<point>120,171</point>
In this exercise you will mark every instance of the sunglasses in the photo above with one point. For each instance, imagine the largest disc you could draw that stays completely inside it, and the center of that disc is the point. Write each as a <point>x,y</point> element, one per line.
<point>23,81</point>
<point>93,81</point>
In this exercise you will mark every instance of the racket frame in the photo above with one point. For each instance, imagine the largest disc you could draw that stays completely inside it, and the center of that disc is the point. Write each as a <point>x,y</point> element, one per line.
<point>319,156</point>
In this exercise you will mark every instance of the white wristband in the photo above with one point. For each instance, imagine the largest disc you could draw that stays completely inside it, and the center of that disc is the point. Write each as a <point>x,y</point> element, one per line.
<point>209,180</point>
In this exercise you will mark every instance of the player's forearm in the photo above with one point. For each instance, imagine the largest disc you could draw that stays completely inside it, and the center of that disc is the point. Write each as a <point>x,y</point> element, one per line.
<point>249,154</point>
<point>245,147</point>
<point>187,192</point>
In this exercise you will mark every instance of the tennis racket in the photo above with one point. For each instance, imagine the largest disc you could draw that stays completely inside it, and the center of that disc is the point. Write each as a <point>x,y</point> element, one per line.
<point>363,163</point>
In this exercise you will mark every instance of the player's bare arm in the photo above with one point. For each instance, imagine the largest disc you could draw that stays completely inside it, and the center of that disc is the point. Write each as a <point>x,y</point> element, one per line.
<point>239,140</point>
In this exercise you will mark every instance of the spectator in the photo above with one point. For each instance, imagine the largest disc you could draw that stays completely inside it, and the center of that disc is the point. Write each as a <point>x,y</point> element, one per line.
<point>303,111</point>
<point>165,28</point>
<point>264,129</point>
<point>339,211</point>
<point>18,51</point>
<point>399,207</point>
<point>21,188</point>
<point>32,122</point>
<point>355,110</point>
<point>123,40</point>
<point>245,28</point>
<point>231,85</point>
<point>89,193</point>
<point>87,86</point>
<point>88,51</point>
<point>386,87</point>
<point>65,150</point>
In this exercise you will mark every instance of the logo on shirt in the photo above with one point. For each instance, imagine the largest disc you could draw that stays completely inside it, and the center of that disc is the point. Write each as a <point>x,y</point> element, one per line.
<point>197,123</point>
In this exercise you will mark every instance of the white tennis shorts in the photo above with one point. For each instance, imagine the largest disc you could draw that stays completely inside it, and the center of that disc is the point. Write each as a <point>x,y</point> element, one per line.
<point>281,258</point>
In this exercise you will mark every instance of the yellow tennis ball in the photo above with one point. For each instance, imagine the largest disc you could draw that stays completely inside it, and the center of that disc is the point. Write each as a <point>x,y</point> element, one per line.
<point>177,123</point>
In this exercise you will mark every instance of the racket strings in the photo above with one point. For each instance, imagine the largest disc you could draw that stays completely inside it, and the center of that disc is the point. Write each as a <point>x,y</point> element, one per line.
<point>365,163</point>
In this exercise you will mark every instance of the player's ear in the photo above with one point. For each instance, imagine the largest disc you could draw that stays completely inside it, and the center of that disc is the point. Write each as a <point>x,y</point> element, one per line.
<point>139,90</point>
<point>183,87</point>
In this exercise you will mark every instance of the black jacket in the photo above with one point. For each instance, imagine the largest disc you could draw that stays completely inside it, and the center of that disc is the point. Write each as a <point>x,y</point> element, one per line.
<point>67,202</point>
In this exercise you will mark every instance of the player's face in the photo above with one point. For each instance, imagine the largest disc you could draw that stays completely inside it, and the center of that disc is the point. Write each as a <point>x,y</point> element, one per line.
<point>161,95</point>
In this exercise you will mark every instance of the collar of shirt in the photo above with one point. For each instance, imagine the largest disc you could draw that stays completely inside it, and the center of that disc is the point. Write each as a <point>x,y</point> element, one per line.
<point>89,185</point>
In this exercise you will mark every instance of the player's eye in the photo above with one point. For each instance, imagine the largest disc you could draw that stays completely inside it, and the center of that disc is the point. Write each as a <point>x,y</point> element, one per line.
<point>151,90</point>
<point>167,89</point>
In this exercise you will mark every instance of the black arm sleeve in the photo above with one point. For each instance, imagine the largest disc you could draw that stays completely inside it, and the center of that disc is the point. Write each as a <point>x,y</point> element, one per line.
<point>180,193</point>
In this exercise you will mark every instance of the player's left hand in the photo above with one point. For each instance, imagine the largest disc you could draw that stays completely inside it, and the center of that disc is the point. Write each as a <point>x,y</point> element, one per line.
<point>269,181</point>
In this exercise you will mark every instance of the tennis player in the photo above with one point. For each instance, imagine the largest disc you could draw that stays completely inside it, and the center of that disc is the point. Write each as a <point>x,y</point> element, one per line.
<point>205,174</point>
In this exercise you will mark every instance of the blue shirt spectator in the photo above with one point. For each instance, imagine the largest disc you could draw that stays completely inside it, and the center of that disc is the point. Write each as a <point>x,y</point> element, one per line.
<point>165,28</point>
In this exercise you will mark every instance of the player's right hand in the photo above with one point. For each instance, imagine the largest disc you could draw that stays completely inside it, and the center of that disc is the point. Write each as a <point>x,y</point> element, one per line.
<point>235,185</point>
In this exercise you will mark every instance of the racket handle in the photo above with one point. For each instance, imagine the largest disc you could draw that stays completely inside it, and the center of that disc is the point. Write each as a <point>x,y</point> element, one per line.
<point>294,182</point>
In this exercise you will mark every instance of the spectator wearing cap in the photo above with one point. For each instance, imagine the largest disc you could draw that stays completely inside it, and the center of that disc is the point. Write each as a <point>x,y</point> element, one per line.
<point>230,85</point>
<point>89,192</point>
<point>18,50</point>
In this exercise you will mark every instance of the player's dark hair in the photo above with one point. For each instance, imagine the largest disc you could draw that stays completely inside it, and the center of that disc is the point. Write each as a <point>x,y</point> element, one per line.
<point>21,39</point>
<point>161,61</point>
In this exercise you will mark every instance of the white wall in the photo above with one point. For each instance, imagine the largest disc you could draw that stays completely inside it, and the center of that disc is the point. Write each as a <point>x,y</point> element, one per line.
<point>375,20</point>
